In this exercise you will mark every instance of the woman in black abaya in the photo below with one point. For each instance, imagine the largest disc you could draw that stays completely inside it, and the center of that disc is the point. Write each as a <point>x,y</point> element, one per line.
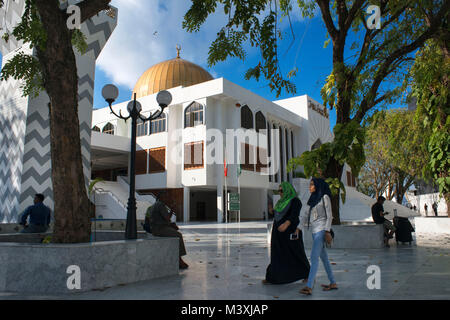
<point>288,261</point>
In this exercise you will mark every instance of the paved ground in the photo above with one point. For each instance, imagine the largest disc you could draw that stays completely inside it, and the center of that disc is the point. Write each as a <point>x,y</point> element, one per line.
<point>230,262</point>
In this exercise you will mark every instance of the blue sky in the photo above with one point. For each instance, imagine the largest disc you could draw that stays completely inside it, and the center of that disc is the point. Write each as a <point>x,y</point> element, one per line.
<point>306,52</point>
<point>148,32</point>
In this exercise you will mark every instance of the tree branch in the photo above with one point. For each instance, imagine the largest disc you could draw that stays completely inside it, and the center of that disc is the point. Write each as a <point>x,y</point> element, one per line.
<point>370,35</point>
<point>384,68</point>
<point>90,8</point>
<point>357,5</point>
<point>324,6</point>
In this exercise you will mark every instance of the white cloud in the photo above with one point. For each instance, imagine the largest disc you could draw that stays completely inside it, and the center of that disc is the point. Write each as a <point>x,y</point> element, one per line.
<point>147,33</point>
<point>149,30</point>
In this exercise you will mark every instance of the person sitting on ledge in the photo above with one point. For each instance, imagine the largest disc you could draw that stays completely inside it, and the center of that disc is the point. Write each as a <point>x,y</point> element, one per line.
<point>161,226</point>
<point>378,217</point>
<point>39,216</point>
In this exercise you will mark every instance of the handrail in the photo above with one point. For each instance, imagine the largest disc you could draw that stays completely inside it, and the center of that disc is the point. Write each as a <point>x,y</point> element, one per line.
<point>167,207</point>
<point>101,190</point>
<point>172,212</point>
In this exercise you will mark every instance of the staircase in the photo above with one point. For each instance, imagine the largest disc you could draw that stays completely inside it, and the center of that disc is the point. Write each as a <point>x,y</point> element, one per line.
<point>111,200</point>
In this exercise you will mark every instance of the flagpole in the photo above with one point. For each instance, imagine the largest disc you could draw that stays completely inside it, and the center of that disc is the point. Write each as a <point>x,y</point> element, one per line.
<point>226,191</point>
<point>239,184</point>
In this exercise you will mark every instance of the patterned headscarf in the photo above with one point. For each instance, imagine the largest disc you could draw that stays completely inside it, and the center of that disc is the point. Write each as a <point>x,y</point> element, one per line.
<point>284,203</point>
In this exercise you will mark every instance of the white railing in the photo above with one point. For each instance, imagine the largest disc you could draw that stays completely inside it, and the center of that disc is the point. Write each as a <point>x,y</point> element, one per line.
<point>101,190</point>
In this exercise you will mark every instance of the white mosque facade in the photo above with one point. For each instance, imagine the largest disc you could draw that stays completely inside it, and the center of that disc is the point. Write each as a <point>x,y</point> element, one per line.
<point>179,155</point>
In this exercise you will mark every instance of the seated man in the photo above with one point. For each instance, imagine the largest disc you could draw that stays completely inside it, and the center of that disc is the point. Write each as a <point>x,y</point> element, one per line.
<point>378,217</point>
<point>161,226</point>
<point>39,216</point>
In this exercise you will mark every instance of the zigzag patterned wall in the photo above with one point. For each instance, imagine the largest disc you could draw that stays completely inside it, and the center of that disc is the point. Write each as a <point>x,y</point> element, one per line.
<point>12,132</point>
<point>31,169</point>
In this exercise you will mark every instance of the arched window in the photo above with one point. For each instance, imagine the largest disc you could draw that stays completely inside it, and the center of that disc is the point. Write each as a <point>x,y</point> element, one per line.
<point>141,128</point>
<point>281,155</point>
<point>108,129</point>
<point>269,146</point>
<point>246,118</point>
<point>286,146</point>
<point>159,124</point>
<point>292,144</point>
<point>316,145</point>
<point>193,116</point>
<point>96,129</point>
<point>275,175</point>
<point>260,122</point>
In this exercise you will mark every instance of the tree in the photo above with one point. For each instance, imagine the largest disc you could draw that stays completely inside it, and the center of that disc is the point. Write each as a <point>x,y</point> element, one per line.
<point>53,68</point>
<point>376,176</point>
<point>363,77</point>
<point>407,154</point>
<point>430,87</point>
<point>396,153</point>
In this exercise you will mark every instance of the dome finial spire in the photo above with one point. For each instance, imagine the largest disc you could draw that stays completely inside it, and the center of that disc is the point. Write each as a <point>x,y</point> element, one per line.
<point>178,50</point>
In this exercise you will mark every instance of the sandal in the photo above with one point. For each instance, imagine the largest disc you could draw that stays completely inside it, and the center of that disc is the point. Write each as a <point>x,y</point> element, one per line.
<point>328,287</point>
<point>306,291</point>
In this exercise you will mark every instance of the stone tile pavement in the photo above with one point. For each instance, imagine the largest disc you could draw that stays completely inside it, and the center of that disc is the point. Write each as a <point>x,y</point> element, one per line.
<point>229,262</point>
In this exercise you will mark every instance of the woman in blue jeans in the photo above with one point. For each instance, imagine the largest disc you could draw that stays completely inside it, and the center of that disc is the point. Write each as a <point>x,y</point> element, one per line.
<point>318,217</point>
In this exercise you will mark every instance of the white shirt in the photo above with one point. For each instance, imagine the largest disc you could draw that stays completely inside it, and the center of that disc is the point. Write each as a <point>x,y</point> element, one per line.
<point>321,216</point>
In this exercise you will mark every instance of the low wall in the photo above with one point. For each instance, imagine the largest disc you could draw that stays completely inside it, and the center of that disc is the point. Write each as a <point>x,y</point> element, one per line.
<point>116,235</point>
<point>23,237</point>
<point>98,236</point>
<point>113,225</point>
<point>437,225</point>
<point>95,225</point>
<point>364,236</point>
<point>10,228</point>
<point>43,268</point>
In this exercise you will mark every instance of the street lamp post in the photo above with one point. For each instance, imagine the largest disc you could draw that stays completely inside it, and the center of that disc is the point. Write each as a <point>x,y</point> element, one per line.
<point>164,98</point>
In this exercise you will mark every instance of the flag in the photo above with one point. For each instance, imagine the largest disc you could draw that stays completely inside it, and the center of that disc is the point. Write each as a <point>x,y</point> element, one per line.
<point>225,168</point>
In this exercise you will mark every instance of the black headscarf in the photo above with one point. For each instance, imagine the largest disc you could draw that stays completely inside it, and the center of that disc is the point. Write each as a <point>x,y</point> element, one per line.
<point>322,189</point>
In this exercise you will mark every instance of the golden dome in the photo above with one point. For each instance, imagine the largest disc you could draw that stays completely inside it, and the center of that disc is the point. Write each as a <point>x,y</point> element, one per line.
<point>170,74</point>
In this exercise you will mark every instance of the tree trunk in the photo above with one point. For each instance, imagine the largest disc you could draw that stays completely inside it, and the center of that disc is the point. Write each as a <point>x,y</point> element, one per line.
<point>447,201</point>
<point>72,224</point>
<point>334,170</point>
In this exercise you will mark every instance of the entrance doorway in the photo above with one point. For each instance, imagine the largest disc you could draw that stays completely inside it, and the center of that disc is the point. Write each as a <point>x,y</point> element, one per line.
<point>203,205</point>
<point>201,211</point>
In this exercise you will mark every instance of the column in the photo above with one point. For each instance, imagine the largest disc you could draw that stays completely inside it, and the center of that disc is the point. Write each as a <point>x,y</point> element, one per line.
<point>264,204</point>
<point>186,204</point>
<point>220,117</point>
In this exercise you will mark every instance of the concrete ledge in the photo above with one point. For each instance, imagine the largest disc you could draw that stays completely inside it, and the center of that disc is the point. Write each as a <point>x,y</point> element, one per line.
<point>114,235</point>
<point>23,237</point>
<point>38,268</point>
<point>365,236</point>
<point>102,224</point>
<point>437,225</point>
<point>98,236</point>
<point>10,228</point>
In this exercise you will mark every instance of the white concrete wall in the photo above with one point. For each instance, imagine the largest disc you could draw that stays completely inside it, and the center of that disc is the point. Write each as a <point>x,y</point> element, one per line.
<point>420,201</point>
<point>432,225</point>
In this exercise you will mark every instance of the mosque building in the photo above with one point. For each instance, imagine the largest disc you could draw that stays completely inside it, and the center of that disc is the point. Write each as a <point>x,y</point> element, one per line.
<point>175,160</point>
